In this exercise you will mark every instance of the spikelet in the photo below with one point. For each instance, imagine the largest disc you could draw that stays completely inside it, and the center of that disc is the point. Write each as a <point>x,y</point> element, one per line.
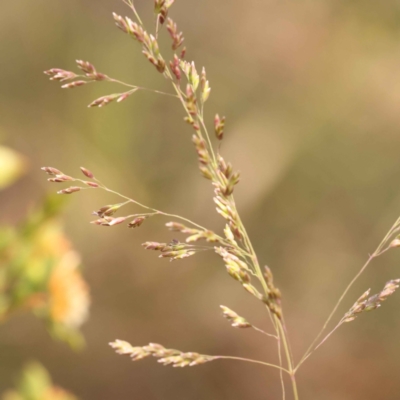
<point>237,320</point>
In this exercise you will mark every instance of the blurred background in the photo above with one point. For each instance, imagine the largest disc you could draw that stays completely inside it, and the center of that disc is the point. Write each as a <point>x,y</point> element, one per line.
<point>311,91</point>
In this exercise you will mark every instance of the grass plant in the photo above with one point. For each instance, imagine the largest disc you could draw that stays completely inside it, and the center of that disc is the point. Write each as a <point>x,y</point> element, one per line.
<point>190,87</point>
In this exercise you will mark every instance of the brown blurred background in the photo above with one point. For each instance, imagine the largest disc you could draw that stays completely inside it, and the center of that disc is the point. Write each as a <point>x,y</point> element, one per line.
<point>311,90</point>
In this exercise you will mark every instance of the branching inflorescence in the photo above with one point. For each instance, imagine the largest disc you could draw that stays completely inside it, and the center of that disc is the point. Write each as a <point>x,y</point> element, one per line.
<point>192,89</point>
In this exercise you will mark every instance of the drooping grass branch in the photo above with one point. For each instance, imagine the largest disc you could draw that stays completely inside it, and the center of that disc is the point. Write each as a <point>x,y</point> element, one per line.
<point>386,244</point>
<point>176,358</point>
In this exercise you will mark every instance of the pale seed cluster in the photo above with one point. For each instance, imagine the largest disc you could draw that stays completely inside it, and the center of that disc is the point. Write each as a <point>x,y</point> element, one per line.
<point>59,177</point>
<point>165,356</point>
<point>90,76</point>
<point>174,250</point>
<point>369,303</point>
<point>237,320</point>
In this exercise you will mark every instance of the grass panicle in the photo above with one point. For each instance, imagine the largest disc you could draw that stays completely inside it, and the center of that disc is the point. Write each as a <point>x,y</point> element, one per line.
<point>192,90</point>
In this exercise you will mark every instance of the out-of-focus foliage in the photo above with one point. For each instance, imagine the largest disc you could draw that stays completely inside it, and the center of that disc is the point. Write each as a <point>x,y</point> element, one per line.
<point>35,384</point>
<point>12,166</point>
<point>39,272</point>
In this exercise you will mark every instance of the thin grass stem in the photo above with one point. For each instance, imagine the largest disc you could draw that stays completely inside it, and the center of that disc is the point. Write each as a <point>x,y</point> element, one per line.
<point>280,363</point>
<point>130,4</point>
<point>264,333</point>
<point>151,208</point>
<point>140,87</point>
<point>180,95</point>
<point>251,361</point>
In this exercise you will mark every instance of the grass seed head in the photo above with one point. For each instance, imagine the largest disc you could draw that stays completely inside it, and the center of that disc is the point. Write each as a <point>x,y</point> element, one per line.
<point>114,221</point>
<point>172,357</point>
<point>177,37</point>
<point>92,184</point>
<point>60,75</point>
<point>70,190</point>
<point>219,126</point>
<point>136,222</point>
<point>154,245</point>
<point>237,321</point>
<point>51,171</point>
<point>61,178</point>
<point>108,210</point>
<point>87,173</point>
<point>74,84</point>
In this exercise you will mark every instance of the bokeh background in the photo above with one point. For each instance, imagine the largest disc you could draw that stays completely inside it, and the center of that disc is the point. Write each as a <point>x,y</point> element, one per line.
<point>311,90</point>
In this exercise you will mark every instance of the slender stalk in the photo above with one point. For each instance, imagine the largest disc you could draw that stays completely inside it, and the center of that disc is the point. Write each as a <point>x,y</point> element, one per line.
<point>151,208</point>
<point>287,335</point>
<point>329,334</point>
<point>294,386</point>
<point>280,363</point>
<point>264,333</point>
<point>252,361</point>
<point>281,333</point>
<point>254,258</point>
<point>181,95</point>
<point>288,357</point>
<point>129,3</point>
<point>140,87</point>
<point>157,25</point>
<point>201,119</point>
